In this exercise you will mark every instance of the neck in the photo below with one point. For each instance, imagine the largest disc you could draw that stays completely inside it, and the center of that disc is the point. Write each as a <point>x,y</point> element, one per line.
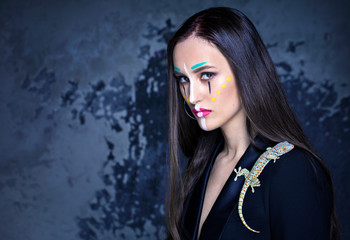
<point>236,138</point>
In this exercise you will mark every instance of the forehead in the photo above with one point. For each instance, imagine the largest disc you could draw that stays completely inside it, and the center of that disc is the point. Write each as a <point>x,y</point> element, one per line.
<point>194,50</point>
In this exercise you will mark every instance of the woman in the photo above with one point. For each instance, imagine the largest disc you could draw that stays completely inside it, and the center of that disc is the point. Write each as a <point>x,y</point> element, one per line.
<point>226,108</point>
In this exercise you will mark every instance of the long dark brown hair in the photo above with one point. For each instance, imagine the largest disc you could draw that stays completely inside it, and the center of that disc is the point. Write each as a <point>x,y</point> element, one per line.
<point>263,99</point>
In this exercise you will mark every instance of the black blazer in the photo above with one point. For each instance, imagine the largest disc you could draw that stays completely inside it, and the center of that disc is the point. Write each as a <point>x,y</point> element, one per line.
<point>293,202</point>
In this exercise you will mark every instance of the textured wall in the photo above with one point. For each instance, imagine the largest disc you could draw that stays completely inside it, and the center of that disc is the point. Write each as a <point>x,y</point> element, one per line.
<point>83,107</point>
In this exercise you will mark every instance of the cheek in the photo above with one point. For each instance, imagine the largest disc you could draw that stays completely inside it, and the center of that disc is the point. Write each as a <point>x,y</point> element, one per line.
<point>222,89</point>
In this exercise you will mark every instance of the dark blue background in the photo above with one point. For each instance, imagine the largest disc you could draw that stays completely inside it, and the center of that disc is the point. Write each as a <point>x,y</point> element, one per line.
<point>83,107</point>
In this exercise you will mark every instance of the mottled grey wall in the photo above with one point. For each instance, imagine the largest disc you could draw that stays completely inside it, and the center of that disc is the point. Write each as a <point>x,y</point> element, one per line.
<point>83,107</point>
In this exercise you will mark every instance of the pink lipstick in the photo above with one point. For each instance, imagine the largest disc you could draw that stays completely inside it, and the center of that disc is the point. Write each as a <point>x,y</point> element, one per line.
<point>202,112</point>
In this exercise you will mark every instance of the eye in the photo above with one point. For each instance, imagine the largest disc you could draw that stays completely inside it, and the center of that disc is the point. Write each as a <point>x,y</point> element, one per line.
<point>207,75</point>
<point>182,79</point>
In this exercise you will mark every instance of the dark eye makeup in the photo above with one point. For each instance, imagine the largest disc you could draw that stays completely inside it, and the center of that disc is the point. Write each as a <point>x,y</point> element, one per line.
<point>181,78</point>
<point>204,76</point>
<point>207,75</point>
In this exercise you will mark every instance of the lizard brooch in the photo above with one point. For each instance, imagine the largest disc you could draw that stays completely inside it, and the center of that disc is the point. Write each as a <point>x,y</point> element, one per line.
<point>251,178</point>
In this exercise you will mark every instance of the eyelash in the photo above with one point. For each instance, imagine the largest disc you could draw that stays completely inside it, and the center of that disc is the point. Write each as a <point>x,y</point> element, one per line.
<point>184,79</point>
<point>211,75</point>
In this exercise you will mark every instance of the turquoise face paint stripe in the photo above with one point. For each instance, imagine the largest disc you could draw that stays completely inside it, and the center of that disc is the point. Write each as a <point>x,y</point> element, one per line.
<point>198,65</point>
<point>177,69</point>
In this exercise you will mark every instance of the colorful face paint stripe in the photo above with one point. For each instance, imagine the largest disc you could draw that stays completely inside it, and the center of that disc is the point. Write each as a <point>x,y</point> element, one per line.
<point>204,125</point>
<point>196,106</point>
<point>198,65</point>
<point>191,85</point>
<point>177,69</point>
<point>209,87</point>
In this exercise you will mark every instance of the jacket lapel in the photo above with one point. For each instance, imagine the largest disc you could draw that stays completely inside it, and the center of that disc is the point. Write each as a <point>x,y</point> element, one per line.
<point>227,199</point>
<point>194,205</point>
<point>225,203</point>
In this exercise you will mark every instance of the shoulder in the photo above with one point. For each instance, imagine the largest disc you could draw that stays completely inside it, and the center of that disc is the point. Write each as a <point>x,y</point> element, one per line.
<point>300,196</point>
<point>300,167</point>
<point>300,186</point>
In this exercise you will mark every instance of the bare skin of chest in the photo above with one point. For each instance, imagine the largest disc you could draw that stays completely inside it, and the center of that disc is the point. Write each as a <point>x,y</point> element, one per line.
<point>219,174</point>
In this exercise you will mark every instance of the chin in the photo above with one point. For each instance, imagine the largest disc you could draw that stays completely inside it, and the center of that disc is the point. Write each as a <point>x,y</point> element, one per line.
<point>203,124</point>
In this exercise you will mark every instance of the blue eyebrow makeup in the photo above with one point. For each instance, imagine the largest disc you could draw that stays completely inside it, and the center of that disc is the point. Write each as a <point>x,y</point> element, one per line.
<point>177,69</point>
<point>198,65</point>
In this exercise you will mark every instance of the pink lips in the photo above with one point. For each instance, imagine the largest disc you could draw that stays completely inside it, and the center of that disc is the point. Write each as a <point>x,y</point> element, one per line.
<point>202,112</point>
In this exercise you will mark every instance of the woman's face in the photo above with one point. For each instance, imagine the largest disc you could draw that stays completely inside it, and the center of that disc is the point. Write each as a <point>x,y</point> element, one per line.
<point>207,84</point>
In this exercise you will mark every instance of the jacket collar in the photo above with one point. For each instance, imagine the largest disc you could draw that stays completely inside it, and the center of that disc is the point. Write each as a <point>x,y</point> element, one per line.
<point>226,201</point>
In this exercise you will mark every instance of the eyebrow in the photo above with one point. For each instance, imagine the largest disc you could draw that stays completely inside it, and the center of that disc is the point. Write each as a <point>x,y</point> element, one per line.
<point>199,69</point>
<point>198,65</point>
<point>202,68</point>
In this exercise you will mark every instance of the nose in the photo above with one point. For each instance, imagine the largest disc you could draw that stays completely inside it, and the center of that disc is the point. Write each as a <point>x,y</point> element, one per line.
<point>195,91</point>
<point>195,88</point>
